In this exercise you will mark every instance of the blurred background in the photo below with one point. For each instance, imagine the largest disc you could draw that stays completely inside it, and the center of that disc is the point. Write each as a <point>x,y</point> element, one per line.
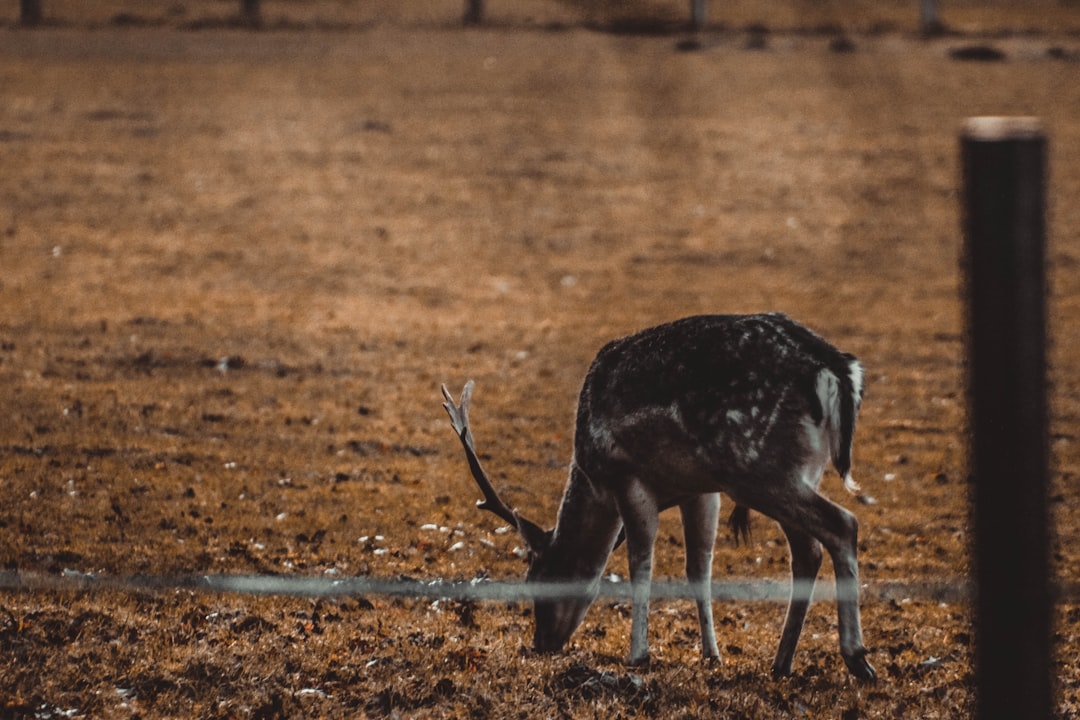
<point>972,16</point>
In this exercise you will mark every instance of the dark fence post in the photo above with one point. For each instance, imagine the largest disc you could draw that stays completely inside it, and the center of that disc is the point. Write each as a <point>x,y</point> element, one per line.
<point>251,13</point>
<point>474,12</point>
<point>698,13</point>
<point>1003,163</point>
<point>929,24</point>
<point>30,13</point>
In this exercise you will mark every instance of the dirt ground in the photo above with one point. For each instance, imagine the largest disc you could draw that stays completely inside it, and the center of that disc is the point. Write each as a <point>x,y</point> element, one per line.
<point>236,266</point>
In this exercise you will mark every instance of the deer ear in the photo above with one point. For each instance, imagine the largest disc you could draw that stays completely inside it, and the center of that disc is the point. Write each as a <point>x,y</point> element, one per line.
<point>534,536</point>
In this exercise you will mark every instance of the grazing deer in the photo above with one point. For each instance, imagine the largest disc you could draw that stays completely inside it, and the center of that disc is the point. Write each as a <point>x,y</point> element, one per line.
<point>754,406</point>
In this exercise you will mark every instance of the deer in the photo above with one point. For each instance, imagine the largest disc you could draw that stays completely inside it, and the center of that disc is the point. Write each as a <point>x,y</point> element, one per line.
<point>752,406</point>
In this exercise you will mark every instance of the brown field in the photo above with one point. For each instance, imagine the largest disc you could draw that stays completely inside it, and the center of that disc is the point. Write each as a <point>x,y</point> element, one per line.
<point>235,267</point>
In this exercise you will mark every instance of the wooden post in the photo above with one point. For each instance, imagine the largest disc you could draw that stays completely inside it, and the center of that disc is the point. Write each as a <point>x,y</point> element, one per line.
<point>30,13</point>
<point>698,13</point>
<point>474,12</point>
<point>1003,163</point>
<point>251,13</point>
<point>928,17</point>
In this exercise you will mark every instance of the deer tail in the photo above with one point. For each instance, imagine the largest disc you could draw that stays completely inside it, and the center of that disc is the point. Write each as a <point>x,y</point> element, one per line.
<point>840,392</point>
<point>739,522</point>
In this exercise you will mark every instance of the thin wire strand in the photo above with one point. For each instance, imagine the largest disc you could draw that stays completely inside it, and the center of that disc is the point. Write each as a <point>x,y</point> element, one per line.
<point>483,589</point>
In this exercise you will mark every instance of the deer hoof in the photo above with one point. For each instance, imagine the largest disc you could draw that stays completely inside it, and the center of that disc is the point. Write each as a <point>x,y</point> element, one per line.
<point>638,662</point>
<point>781,672</point>
<point>860,667</point>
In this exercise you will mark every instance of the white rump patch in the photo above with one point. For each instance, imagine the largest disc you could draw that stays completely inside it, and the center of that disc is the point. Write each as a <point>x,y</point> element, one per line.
<point>855,372</point>
<point>828,393</point>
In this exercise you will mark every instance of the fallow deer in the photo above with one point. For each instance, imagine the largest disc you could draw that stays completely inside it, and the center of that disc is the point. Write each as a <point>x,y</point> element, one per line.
<point>753,406</point>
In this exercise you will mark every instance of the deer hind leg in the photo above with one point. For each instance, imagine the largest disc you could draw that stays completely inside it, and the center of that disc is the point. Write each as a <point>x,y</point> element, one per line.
<point>806,557</point>
<point>699,517</point>
<point>640,515</point>
<point>846,565</point>
<point>838,530</point>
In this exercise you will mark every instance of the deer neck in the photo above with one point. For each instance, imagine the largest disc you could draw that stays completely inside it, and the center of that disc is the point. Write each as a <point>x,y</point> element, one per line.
<point>587,526</point>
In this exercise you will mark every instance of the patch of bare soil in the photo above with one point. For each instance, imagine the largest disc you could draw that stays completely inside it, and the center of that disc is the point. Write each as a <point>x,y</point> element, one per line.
<point>237,266</point>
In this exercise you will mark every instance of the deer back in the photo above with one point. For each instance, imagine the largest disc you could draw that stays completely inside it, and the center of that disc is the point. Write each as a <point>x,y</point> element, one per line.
<point>698,402</point>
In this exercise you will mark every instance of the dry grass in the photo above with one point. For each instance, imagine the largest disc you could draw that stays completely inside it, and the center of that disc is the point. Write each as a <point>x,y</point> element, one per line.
<point>236,267</point>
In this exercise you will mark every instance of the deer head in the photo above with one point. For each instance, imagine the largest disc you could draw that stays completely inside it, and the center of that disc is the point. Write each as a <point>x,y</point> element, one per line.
<point>550,562</point>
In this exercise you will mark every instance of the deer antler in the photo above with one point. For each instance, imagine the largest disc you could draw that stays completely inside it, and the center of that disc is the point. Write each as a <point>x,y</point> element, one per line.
<point>459,418</point>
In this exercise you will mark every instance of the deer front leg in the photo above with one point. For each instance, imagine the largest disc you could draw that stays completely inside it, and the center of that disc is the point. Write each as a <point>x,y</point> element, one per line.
<point>640,515</point>
<point>699,517</point>
<point>805,563</point>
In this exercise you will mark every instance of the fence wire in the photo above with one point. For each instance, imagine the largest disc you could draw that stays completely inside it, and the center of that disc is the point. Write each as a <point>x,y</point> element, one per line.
<point>484,589</point>
<point>481,589</point>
